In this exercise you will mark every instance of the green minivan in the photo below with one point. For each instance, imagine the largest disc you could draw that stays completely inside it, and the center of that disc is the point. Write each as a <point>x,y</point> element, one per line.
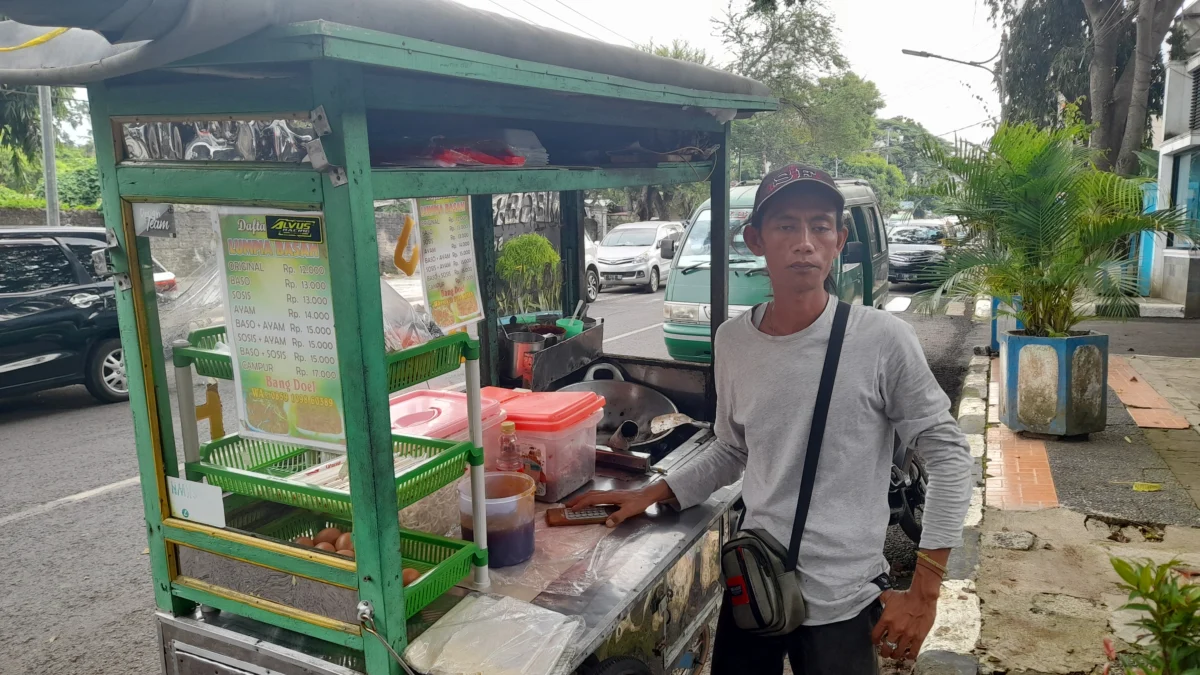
<point>686,312</point>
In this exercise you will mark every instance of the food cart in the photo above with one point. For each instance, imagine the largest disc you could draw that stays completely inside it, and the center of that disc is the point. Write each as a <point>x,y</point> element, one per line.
<point>239,596</point>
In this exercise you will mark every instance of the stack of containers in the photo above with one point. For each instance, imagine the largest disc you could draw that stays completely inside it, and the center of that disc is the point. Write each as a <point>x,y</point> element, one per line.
<point>556,436</point>
<point>434,413</point>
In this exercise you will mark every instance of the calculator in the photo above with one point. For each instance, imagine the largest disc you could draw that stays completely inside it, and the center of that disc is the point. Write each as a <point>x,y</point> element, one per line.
<point>591,515</point>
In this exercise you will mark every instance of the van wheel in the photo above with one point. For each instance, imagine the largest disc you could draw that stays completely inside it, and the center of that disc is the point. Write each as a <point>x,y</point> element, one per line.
<point>106,377</point>
<point>652,287</point>
<point>593,284</point>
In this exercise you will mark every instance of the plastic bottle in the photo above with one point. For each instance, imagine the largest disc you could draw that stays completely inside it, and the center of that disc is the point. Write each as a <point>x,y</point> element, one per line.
<point>510,456</point>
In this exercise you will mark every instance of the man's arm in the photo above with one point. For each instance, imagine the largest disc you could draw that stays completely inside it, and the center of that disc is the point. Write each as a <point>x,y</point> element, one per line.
<point>920,412</point>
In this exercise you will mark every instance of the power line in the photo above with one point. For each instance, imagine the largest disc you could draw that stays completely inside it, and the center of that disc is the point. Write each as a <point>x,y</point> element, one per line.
<point>563,21</point>
<point>526,20</point>
<point>596,22</point>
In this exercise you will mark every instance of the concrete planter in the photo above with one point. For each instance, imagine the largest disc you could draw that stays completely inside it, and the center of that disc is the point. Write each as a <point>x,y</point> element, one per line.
<point>1054,386</point>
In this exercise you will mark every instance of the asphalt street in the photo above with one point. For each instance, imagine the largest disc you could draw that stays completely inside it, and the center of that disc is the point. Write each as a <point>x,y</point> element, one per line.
<point>75,590</point>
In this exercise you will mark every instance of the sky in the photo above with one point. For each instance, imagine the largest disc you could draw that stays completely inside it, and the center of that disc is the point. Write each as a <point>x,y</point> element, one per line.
<point>942,96</point>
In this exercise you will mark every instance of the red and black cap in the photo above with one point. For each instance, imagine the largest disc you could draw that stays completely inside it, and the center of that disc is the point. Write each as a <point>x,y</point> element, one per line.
<point>796,174</point>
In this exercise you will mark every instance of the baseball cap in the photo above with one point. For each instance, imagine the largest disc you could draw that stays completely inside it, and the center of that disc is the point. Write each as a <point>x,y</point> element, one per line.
<point>796,174</point>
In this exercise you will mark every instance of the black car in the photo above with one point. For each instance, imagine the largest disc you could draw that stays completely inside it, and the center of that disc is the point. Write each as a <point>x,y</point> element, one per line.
<point>58,320</point>
<point>913,251</point>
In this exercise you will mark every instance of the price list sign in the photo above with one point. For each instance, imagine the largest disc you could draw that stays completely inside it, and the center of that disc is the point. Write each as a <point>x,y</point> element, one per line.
<point>279,326</point>
<point>448,262</point>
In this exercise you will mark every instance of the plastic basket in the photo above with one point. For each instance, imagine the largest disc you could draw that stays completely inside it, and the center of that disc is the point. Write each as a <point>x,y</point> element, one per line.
<point>404,368</point>
<point>442,562</point>
<point>206,356</point>
<point>258,468</point>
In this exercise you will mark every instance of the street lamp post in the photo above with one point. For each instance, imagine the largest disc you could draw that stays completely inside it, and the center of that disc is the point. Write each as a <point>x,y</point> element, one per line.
<point>997,73</point>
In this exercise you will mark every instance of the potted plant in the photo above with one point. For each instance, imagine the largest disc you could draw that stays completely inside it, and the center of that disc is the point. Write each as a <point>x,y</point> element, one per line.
<point>1047,236</point>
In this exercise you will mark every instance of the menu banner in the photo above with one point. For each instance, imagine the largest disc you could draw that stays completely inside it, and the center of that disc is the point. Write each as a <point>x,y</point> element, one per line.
<point>448,262</point>
<point>279,326</point>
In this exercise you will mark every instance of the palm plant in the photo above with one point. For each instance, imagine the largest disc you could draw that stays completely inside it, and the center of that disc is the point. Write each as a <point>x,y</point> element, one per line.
<point>1048,233</point>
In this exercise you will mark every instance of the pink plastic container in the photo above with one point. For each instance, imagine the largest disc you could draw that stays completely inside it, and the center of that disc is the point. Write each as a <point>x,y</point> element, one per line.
<point>434,413</point>
<point>556,435</point>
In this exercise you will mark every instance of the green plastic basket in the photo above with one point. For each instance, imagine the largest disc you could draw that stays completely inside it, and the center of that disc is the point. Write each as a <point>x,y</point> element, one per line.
<point>205,354</point>
<point>405,368</point>
<point>442,562</point>
<point>258,468</point>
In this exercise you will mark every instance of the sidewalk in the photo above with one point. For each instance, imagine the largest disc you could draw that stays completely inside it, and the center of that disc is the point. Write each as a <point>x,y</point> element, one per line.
<point>1058,509</point>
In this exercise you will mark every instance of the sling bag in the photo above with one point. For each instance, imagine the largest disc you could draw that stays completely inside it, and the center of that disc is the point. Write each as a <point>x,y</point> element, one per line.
<point>760,575</point>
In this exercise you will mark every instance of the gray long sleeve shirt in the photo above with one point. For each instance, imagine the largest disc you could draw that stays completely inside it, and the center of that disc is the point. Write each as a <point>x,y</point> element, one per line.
<point>766,389</point>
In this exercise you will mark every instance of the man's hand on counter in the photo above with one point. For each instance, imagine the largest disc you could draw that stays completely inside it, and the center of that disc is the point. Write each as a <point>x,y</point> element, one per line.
<point>631,502</point>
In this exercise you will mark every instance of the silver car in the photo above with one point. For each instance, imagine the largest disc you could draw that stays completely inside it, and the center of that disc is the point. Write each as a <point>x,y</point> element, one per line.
<point>629,254</point>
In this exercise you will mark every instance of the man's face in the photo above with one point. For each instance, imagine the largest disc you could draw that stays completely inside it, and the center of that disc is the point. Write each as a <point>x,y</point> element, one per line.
<point>800,238</point>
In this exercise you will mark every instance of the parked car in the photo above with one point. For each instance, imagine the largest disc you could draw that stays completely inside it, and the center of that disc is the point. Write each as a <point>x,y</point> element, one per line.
<point>861,276</point>
<point>591,272</point>
<point>630,254</point>
<point>915,250</point>
<point>58,320</point>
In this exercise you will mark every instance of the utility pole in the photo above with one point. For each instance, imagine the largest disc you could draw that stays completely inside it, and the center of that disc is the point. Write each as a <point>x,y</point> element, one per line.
<point>889,146</point>
<point>1000,78</point>
<point>46,112</point>
<point>836,164</point>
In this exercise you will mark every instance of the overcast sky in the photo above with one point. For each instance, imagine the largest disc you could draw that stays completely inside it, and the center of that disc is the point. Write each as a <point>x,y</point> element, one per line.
<point>942,96</point>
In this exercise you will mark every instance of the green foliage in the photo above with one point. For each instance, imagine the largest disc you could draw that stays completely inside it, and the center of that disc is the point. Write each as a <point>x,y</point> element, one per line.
<point>1171,618</point>
<point>11,199</point>
<point>887,180</point>
<point>680,50</point>
<point>79,187</point>
<point>20,126</point>
<point>1044,225</point>
<point>529,272</point>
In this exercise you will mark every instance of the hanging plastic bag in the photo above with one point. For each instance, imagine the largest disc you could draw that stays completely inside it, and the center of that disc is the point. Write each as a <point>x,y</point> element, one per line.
<point>403,325</point>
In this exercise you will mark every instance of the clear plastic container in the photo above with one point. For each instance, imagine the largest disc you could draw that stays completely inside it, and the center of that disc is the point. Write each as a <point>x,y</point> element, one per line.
<point>434,413</point>
<point>556,433</point>
<point>510,513</point>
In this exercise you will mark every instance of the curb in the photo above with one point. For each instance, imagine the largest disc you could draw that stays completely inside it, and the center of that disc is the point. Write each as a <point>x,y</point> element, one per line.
<point>951,642</point>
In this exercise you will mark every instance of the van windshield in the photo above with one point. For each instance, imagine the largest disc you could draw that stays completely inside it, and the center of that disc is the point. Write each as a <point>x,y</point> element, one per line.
<point>697,248</point>
<point>634,236</point>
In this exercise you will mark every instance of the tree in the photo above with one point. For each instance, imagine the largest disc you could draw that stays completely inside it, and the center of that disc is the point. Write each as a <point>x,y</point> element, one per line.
<point>1117,40</point>
<point>899,140</point>
<point>886,179</point>
<point>680,50</point>
<point>20,127</point>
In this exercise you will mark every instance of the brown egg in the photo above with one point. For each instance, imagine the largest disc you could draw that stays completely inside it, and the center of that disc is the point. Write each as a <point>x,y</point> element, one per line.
<point>326,546</point>
<point>409,575</point>
<point>344,542</point>
<point>347,552</point>
<point>306,542</point>
<point>329,534</point>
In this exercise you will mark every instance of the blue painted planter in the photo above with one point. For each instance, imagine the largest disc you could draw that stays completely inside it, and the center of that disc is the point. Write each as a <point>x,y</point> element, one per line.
<point>1054,386</point>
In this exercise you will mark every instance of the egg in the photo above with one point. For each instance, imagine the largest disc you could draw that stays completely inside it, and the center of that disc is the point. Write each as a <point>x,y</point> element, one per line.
<point>344,542</point>
<point>326,546</point>
<point>409,575</point>
<point>346,552</point>
<point>329,534</point>
<point>306,542</point>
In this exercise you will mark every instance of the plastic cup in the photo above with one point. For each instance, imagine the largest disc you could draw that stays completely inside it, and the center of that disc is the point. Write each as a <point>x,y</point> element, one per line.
<point>510,516</point>
<point>572,327</point>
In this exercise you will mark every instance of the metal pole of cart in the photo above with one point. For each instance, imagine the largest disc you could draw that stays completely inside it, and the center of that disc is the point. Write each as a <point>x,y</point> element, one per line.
<point>187,405</point>
<point>478,488</point>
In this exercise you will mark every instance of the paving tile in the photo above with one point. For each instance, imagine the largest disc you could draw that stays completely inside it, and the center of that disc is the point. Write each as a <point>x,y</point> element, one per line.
<point>1131,386</point>
<point>1157,418</point>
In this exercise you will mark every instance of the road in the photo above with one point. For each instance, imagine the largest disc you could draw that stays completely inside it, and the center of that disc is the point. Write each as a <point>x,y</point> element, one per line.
<point>75,592</point>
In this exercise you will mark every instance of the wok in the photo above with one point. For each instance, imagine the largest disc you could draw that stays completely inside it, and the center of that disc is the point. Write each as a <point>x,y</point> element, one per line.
<point>625,401</point>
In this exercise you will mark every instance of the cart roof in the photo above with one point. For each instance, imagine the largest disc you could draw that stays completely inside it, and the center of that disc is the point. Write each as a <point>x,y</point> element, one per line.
<point>440,37</point>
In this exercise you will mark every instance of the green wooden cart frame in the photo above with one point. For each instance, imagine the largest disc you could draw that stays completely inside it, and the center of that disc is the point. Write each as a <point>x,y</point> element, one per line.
<point>347,75</point>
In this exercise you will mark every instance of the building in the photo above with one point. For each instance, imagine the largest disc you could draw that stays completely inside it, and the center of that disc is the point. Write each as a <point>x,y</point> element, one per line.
<point>1169,268</point>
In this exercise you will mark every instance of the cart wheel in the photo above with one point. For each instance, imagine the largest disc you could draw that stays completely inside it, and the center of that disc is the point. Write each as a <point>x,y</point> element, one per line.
<point>620,665</point>
<point>696,656</point>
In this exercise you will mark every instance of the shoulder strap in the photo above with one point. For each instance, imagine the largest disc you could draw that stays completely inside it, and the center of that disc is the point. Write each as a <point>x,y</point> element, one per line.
<point>816,433</point>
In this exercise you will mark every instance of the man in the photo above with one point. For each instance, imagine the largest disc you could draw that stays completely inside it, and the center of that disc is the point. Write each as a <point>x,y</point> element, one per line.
<point>768,364</point>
